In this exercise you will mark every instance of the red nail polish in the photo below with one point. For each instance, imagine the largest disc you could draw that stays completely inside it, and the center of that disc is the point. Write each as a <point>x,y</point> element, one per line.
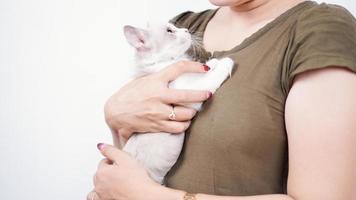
<point>210,94</point>
<point>206,67</point>
<point>100,146</point>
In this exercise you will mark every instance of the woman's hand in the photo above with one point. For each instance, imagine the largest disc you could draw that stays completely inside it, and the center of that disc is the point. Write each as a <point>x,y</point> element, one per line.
<point>144,104</point>
<point>119,176</point>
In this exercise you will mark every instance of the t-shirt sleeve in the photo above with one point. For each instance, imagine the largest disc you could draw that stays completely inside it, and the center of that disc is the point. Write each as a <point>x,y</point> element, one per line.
<point>192,20</point>
<point>324,37</point>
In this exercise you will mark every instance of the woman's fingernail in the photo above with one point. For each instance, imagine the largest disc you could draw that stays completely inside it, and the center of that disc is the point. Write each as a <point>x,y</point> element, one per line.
<point>100,146</point>
<point>210,94</point>
<point>206,67</point>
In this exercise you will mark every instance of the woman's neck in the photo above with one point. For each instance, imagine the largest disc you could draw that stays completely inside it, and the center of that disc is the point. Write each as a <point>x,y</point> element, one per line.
<point>238,22</point>
<point>254,12</point>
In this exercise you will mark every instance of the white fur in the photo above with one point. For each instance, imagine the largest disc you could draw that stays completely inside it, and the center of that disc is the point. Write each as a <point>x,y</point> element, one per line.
<point>158,152</point>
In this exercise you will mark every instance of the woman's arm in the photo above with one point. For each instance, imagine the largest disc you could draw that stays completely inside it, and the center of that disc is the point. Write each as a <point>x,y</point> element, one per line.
<point>143,105</point>
<point>321,125</point>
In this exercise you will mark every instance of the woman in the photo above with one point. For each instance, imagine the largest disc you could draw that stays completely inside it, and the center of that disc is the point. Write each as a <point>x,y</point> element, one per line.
<point>281,128</point>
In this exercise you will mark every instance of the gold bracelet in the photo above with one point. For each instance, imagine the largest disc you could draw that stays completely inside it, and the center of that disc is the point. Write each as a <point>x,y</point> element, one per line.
<point>188,196</point>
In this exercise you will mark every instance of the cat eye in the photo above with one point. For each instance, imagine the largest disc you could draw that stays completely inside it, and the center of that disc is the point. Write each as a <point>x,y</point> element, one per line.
<point>169,30</point>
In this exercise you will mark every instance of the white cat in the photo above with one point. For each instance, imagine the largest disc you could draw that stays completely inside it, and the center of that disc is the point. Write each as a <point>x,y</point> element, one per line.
<point>156,48</point>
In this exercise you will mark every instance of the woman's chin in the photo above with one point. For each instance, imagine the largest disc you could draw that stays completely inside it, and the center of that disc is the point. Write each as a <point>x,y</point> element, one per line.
<point>228,2</point>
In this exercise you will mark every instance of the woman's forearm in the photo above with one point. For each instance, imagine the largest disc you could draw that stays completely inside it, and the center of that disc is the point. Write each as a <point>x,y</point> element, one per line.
<point>171,194</point>
<point>259,197</point>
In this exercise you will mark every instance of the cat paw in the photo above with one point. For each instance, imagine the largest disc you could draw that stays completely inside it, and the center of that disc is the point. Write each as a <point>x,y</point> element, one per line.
<point>213,63</point>
<point>228,64</point>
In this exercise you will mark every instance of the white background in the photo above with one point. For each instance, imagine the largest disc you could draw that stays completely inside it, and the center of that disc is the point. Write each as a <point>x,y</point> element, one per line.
<point>59,62</point>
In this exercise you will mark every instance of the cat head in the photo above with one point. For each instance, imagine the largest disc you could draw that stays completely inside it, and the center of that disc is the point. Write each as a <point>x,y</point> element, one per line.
<point>159,42</point>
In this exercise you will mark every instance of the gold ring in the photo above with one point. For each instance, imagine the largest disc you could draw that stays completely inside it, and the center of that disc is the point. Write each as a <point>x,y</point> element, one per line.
<point>172,115</point>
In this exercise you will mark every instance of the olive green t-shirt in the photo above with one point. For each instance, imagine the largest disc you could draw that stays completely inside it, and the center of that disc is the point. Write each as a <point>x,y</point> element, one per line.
<point>237,145</point>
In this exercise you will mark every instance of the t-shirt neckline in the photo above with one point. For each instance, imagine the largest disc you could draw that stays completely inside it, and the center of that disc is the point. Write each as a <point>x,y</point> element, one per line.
<point>247,41</point>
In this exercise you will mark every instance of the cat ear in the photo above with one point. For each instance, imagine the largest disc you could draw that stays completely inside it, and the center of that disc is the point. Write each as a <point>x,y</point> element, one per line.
<point>137,37</point>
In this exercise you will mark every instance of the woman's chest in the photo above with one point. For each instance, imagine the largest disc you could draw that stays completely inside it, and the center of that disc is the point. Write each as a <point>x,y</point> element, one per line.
<point>219,36</point>
<point>239,137</point>
<point>248,109</point>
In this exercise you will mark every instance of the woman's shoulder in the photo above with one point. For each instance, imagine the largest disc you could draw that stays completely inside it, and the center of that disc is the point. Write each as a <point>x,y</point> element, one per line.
<point>324,36</point>
<point>325,9</point>
<point>189,19</point>
<point>324,24</point>
<point>326,15</point>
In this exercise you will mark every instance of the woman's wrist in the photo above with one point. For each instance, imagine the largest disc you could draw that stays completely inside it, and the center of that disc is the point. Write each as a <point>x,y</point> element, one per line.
<point>164,193</point>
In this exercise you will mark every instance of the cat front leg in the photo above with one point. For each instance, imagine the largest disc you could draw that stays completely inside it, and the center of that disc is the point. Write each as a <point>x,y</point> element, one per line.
<point>220,70</point>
